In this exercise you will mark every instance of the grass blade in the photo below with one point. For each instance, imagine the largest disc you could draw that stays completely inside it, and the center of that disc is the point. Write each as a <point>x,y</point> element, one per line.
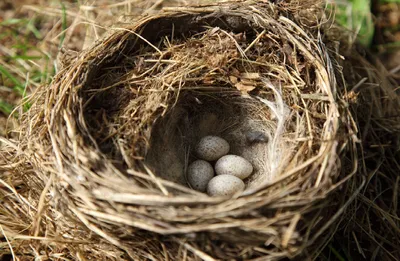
<point>6,107</point>
<point>18,86</point>
<point>63,24</point>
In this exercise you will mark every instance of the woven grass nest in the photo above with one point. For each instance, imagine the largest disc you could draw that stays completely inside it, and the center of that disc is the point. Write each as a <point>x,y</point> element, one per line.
<point>111,137</point>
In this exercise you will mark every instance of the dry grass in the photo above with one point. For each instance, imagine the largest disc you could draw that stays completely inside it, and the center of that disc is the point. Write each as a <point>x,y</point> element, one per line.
<point>36,35</point>
<point>375,216</point>
<point>75,183</point>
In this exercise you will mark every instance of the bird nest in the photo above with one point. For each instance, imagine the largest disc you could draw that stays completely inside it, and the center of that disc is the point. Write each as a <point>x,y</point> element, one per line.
<point>111,137</point>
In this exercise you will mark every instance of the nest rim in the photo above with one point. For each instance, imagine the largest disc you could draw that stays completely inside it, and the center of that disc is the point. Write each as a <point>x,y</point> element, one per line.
<point>63,91</point>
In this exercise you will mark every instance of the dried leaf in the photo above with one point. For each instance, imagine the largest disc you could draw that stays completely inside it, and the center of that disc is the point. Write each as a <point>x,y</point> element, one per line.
<point>248,82</point>
<point>244,88</point>
<point>233,79</point>
<point>253,76</point>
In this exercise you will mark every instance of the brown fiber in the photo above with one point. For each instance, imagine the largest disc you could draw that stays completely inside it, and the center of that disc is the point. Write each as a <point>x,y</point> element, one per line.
<point>98,171</point>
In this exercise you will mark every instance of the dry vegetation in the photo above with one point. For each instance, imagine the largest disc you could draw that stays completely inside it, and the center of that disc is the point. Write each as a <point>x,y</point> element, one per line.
<point>79,177</point>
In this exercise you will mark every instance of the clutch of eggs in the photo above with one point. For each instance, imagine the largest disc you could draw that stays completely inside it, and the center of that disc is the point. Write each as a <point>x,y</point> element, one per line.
<point>230,169</point>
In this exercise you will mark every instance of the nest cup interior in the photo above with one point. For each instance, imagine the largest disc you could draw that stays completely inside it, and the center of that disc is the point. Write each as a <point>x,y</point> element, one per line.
<point>221,112</point>
<point>166,92</point>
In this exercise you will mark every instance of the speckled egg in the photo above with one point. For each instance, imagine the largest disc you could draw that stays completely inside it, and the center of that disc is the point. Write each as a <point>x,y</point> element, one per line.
<point>199,173</point>
<point>233,165</point>
<point>224,185</point>
<point>212,148</point>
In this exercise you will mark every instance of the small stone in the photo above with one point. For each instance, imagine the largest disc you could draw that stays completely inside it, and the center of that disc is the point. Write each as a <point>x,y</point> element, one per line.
<point>256,137</point>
